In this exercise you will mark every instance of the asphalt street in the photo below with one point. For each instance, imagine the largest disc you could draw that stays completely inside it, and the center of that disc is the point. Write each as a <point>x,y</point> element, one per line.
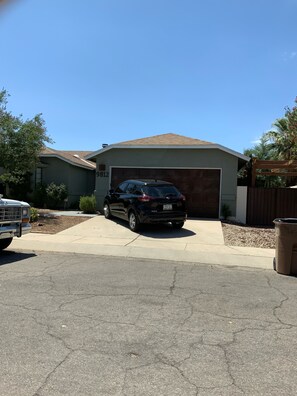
<point>75,324</point>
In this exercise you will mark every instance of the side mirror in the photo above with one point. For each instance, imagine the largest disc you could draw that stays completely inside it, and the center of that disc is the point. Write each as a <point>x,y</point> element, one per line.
<point>111,191</point>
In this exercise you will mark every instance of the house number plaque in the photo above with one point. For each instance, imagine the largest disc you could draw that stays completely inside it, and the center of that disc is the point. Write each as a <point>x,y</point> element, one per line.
<point>102,174</point>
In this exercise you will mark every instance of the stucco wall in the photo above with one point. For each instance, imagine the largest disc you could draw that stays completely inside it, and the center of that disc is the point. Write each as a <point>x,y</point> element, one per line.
<point>79,181</point>
<point>173,158</point>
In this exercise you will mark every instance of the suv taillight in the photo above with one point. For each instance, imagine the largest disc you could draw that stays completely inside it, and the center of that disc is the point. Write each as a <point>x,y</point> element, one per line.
<point>145,198</point>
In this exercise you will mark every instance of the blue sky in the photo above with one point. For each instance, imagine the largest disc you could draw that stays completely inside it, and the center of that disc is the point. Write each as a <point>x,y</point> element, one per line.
<point>105,71</point>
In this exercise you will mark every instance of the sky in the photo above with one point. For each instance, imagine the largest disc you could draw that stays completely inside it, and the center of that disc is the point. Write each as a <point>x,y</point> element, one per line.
<point>106,71</point>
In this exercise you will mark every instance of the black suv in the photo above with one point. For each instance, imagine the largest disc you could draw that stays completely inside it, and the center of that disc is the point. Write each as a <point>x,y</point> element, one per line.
<point>146,201</point>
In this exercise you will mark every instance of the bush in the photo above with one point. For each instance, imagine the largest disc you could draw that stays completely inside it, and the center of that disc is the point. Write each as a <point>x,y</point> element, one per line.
<point>55,195</point>
<point>87,204</point>
<point>33,215</point>
<point>226,211</point>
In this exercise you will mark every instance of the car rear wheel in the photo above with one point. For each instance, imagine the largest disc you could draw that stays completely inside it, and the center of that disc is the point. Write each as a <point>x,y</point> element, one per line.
<point>177,224</point>
<point>4,243</point>
<point>134,223</point>
<point>106,210</point>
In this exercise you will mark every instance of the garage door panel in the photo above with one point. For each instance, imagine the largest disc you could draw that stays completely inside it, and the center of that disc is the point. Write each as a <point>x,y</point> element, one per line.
<point>201,187</point>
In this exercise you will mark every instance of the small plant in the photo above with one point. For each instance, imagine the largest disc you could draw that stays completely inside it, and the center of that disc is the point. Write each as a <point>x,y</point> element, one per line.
<point>226,211</point>
<point>33,215</point>
<point>87,203</point>
<point>55,194</point>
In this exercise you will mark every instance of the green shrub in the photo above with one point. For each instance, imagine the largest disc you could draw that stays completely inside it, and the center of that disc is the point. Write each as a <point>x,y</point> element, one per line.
<point>33,215</point>
<point>87,203</point>
<point>55,195</point>
<point>226,211</point>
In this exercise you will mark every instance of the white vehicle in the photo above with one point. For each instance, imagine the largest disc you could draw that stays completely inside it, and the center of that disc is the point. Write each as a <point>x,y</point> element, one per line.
<point>14,220</point>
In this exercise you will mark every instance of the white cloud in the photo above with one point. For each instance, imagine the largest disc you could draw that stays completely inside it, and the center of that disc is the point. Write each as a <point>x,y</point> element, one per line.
<point>289,55</point>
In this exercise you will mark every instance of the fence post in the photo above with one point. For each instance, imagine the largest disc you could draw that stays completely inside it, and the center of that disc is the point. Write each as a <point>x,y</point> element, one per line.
<point>241,204</point>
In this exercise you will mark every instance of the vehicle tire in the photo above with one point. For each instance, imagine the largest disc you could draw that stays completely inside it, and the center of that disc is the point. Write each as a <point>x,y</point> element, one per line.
<point>177,224</point>
<point>106,211</point>
<point>4,243</point>
<point>134,223</point>
<point>274,264</point>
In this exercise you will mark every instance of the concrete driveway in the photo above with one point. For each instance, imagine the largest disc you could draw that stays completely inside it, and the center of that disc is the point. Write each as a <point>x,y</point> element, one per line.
<point>199,241</point>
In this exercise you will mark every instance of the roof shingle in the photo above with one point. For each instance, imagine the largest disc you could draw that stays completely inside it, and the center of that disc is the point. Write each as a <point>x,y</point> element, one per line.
<point>166,139</point>
<point>75,157</point>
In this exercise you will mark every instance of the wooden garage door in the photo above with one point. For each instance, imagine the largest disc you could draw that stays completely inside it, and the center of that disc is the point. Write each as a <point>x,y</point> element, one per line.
<point>201,187</point>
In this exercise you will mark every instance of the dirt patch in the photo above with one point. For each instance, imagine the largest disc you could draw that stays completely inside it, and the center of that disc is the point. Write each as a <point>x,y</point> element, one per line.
<point>50,224</point>
<point>242,235</point>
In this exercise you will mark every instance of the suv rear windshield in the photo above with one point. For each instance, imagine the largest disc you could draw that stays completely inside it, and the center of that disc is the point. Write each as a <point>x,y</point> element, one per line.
<point>160,191</point>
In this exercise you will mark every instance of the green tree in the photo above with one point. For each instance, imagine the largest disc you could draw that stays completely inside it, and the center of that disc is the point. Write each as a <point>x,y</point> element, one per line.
<point>263,150</point>
<point>55,195</point>
<point>280,143</point>
<point>283,137</point>
<point>20,144</point>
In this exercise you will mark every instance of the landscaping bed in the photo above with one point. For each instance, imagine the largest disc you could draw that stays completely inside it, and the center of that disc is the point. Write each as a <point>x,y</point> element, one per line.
<point>250,236</point>
<point>49,223</point>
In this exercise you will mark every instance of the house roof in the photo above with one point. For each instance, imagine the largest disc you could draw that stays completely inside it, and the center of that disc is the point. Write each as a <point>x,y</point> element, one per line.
<point>76,158</point>
<point>167,140</point>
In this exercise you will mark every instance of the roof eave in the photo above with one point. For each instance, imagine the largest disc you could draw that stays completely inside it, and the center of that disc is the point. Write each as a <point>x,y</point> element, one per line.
<point>171,146</point>
<point>90,167</point>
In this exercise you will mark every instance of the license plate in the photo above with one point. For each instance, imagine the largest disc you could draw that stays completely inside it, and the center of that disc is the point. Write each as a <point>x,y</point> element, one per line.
<point>167,207</point>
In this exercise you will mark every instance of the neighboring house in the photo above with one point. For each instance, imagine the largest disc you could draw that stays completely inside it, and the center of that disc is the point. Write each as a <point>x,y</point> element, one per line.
<point>206,173</point>
<point>68,167</point>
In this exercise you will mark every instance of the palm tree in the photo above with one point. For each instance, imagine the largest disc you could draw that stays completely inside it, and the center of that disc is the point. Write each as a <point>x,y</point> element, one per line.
<point>265,150</point>
<point>262,150</point>
<point>283,137</point>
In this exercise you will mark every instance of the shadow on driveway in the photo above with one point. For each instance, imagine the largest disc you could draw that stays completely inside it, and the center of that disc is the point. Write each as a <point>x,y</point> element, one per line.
<point>11,257</point>
<point>159,231</point>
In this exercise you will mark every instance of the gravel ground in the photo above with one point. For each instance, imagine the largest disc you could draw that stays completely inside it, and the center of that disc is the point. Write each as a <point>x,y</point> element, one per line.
<point>241,235</point>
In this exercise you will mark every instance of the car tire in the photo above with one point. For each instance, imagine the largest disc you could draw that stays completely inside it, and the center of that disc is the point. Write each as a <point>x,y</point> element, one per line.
<point>134,223</point>
<point>177,224</point>
<point>274,264</point>
<point>106,211</point>
<point>4,243</point>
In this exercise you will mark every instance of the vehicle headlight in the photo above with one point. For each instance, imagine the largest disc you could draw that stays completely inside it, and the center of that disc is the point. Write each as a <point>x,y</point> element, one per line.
<point>26,212</point>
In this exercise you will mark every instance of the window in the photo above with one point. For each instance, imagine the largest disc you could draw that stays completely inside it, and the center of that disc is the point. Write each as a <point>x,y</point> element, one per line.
<point>121,188</point>
<point>130,189</point>
<point>38,176</point>
<point>160,191</point>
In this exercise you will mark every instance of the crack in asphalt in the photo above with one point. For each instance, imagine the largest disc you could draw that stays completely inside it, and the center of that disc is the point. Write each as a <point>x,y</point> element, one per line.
<point>162,360</point>
<point>224,348</point>
<point>172,287</point>
<point>49,375</point>
<point>183,312</point>
<point>281,303</point>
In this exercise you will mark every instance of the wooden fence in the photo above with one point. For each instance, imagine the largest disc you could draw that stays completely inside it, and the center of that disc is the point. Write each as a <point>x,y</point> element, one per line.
<point>266,204</point>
